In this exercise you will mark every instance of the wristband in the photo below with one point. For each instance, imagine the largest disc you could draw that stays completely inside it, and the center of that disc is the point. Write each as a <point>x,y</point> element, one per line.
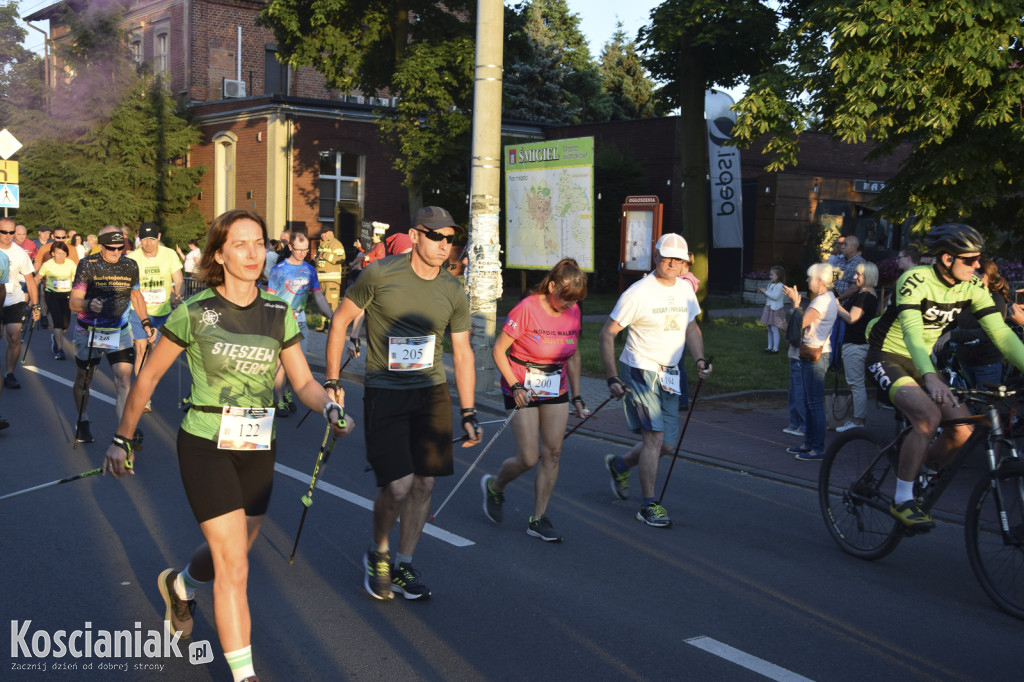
<point>468,410</point>
<point>706,363</point>
<point>577,399</point>
<point>614,380</point>
<point>146,323</point>
<point>123,443</point>
<point>332,384</point>
<point>518,386</point>
<point>36,307</point>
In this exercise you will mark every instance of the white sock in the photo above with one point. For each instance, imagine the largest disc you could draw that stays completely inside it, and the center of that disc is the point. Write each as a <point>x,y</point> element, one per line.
<point>402,559</point>
<point>240,661</point>
<point>904,491</point>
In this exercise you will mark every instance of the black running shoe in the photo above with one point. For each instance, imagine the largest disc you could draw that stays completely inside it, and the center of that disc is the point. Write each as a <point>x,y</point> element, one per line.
<point>83,434</point>
<point>542,528</point>
<point>10,381</point>
<point>405,580</point>
<point>492,500</point>
<point>377,579</point>
<point>59,355</point>
<point>4,423</point>
<point>179,611</point>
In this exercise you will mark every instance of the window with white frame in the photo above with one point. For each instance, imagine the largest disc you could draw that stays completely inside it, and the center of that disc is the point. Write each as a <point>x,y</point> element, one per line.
<point>340,180</point>
<point>135,47</point>
<point>161,52</point>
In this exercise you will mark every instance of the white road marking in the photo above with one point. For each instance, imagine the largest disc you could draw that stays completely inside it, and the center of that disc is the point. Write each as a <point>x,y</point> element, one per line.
<point>745,660</point>
<point>359,501</point>
<point>61,380</point>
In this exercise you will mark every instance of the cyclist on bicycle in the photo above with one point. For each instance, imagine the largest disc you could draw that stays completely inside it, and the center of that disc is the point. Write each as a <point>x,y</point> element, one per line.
<point>928,298</point>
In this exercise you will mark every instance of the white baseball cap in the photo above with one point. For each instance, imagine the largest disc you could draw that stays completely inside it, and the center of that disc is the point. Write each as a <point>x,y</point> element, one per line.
<point>672,245</point>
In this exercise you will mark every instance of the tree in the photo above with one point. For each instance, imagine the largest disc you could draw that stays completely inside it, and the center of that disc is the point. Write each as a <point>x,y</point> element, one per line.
<point>692,45</point>
<point>943,78</point>
<point>108,148</point>
<point>625,79</point>
<point>377,45</point>
<point>534,86</point>
<point>20,69</point>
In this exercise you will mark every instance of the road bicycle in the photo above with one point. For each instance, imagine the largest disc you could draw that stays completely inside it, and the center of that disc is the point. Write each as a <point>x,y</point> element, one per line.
<point>858,477</point>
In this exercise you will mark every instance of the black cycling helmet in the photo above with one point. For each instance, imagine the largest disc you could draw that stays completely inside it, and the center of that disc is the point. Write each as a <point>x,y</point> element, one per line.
<point>954,239</point>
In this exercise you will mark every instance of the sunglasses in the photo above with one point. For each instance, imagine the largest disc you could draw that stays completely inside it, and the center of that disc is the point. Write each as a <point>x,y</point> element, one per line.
<point>970,261</point>
<point>56,237</point>
<point>112,248</point>
<point>437,236</point>
<point>6,231</point>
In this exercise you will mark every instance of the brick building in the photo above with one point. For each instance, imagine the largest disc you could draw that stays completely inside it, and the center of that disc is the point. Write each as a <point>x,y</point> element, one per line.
<point>277,140</point>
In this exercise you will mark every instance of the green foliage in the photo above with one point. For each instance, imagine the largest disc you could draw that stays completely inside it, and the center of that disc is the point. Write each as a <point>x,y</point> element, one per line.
<point>625,79</point>
<point>20,70</point>
<point>109,146</point>
<point>942,78</point>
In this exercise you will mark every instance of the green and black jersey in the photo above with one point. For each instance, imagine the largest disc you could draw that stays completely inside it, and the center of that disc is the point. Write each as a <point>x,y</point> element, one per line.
<point>232,352</point>
<point>925,305</point>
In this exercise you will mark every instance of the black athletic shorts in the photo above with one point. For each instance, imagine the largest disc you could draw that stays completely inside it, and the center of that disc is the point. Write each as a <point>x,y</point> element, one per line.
<point>890,371</point>
<point>220,481</point>
<point>58,307</point>
<point>408,432</point>
<point>13,314</point>
<point>510,402</point>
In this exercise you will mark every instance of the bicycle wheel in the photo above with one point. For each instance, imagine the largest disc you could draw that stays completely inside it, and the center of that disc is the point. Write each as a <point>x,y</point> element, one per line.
<point>997,557</point>
<point>855,509</point>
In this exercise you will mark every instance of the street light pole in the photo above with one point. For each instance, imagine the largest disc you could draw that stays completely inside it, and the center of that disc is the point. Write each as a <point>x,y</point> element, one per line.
<point>483,275</point>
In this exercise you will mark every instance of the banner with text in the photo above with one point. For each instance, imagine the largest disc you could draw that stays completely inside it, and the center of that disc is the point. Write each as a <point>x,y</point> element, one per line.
<point>724,162</point>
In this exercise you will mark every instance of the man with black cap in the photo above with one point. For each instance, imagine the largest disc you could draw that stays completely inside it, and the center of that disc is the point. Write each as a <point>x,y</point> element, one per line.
<point>160,282</point>
<point>409,301</point>
<point>106,284</point>
<point>660,313</point>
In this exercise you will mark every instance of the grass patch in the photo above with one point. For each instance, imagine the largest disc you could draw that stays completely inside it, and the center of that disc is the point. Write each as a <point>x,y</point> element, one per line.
<point>735,344</point>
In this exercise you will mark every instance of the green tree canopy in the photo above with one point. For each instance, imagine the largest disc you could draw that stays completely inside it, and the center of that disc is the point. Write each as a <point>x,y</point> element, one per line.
<point>943,78</point>
<point>625,79</point>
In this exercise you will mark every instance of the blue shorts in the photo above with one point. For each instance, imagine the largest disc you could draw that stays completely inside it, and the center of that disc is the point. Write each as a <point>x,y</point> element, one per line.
<point>648,406</point>
<point>139,332</point>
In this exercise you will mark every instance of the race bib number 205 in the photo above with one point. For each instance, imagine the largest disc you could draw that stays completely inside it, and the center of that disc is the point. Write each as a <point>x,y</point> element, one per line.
<point>410,353</point>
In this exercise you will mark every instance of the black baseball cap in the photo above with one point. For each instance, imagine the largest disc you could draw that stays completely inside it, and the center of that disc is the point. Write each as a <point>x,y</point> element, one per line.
<point>113,238</point>
<point>434,218</point>
<point>149,231</point>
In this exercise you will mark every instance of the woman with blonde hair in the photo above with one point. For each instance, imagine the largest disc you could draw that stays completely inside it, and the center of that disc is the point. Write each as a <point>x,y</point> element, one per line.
<point>862,308</point>
<point>815,352</point>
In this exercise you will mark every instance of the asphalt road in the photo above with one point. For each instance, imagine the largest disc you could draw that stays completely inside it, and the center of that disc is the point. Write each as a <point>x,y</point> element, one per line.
<point>746,585</point>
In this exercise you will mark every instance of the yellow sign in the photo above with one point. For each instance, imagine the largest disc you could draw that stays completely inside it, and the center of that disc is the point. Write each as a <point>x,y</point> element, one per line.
<point>9,172</point>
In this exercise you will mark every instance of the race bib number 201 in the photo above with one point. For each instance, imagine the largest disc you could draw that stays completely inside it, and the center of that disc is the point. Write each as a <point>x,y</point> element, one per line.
<point>410,353</point>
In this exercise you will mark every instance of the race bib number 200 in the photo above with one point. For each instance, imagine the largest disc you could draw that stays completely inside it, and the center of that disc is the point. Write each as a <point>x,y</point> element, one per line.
<point>543,384</point>
<point>410,353</point>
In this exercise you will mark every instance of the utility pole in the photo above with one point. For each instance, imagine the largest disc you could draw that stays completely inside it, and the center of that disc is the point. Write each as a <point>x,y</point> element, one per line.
<point>483,275</point>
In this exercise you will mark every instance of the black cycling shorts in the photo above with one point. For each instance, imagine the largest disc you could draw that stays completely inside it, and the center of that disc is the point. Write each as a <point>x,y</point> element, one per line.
<point>220,481</point>
<point>408,432</point>
<point>13,313</point>
<point>890,371</point>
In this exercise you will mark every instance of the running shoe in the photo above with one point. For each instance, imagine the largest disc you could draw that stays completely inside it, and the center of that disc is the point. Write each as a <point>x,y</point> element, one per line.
<point>282,410</point>
<point>377,580</point>
<point>620,482</point>
<point>798,451</point>
<point>912,517</point>
<point>492,500</point>
<point>4,423</point>
<point>59,355</point>
<point>83,434</point>
<point>542,528</point>
<point>10,381</point>
<point>793,431</point>
<point>845,427</point>
<point>290,399</point>
<point>809,456</point>
<point>405,580</point>
<point>53,346</point>
<point>179,611</point>
<point>653,514</point>
<point>44,323</point>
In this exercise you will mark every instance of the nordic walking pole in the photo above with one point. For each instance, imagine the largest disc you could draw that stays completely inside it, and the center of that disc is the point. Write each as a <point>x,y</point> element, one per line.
<point>339,379</point>
<point>85,386</point>
<point>584,421</point>
<point>31,328</point>
<point>307,499</point>
<point>682,433</point>
<point>476,461</point>
<point>69,479</point>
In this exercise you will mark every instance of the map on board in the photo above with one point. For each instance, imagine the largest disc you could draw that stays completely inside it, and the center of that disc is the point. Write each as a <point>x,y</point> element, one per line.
<point>549,203</point>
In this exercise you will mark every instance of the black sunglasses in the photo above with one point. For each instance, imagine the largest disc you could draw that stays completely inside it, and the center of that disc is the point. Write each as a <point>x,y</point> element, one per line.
<point>971,261</point>
<point>112,248</point>
<point>437,236</point>
<point>6,231</point>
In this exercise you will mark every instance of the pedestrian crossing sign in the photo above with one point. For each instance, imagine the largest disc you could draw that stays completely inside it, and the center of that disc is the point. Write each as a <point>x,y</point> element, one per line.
<point>8,196</point>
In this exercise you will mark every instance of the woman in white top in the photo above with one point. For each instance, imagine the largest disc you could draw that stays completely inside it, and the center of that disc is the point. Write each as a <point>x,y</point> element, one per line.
<point>815,351</point>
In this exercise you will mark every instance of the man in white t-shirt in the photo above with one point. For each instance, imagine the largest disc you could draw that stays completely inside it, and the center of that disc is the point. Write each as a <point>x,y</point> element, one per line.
<point>660,312</point>
<point>13,314</point>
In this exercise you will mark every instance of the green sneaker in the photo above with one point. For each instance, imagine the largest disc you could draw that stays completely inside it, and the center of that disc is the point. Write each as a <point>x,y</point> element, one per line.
<point>290,400</point>
<point>282,410</point>
<point>653,514</point>
<point>620,482</point>
<point>542,528</point>
<point>912,517</point>
<point>492,500</point>
<point>405,580</point>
